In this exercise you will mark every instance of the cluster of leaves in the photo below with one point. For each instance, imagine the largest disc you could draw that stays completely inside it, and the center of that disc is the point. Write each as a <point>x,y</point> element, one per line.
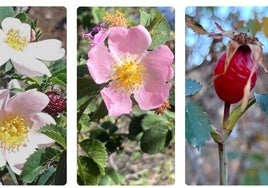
<point>45,166</point>
<point>98,134</point>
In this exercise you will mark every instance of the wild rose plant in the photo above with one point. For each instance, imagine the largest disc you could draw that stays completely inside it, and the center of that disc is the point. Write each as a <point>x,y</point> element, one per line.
<point>128,73</point>
<point>32,139</point>
<point>235,73</point>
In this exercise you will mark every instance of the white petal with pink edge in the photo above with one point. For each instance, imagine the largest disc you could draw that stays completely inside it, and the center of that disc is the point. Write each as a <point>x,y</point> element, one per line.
<point>28,102</point>
<point>40,119</point>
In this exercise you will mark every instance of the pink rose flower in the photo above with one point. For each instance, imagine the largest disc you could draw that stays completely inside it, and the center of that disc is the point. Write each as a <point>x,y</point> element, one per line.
<point>21,118</point>
<point>131,70</point>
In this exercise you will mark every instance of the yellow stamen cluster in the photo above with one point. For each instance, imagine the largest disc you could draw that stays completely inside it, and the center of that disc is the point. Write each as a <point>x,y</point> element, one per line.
<point>15,40</point>
<point>117,20</point>
<point>13,132</point>
<point>129,74</point>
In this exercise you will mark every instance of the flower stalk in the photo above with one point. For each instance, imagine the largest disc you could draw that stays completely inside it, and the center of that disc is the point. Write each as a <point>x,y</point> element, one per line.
<point>222,149</point>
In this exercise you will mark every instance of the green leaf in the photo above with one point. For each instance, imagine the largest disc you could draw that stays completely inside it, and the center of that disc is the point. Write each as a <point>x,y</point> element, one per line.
<point>22,17</point>
<point>111,177</point>
<point>155,139</point>
<point>157,26</point>
<point>55,132</point>
<point>57,67</point>
<point>44,178</point>
<point>153,120</point>
<point>98,14</point>
<point>262,101</point>
<point>60,174</point>
<point>197,128</point>
<point>95,150</point>
<point>99,113</point>
<point>88,171</point>
<point>59,79</point>
<point>6,12</point>
<point>135,127</point>
<point>192,87</point>
<point>36,164</point>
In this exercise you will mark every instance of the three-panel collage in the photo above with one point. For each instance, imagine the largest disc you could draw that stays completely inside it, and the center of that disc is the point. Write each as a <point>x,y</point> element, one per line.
<point>125,96</point>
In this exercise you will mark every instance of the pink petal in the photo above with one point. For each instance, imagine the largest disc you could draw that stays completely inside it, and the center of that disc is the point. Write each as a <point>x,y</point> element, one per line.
<point>152,95</point>
<point>159,63</point>
<point>40,119</point>
<point>135,40</point>
<point>4,95</point>
<point>117,102</point>
<point>100,63</point>
<point>28,102</point>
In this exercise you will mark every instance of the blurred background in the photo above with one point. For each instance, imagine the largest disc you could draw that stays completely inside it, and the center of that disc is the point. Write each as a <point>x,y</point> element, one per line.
<point>247,145</point>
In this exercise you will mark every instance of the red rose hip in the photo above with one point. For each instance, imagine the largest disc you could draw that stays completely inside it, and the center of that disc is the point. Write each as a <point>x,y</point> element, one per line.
<point>57,104</point>
<point>230,80</point>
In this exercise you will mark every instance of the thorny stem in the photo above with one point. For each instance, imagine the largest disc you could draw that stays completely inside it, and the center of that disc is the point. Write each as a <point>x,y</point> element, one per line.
<point>222,151</point>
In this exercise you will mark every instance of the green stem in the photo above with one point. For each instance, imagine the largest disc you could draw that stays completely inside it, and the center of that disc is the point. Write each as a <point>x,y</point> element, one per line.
<point>222,151</point>
<point>12,174</point>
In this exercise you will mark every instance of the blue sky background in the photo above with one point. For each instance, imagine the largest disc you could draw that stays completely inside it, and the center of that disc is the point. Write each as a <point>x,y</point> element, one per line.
<point>198,46</point>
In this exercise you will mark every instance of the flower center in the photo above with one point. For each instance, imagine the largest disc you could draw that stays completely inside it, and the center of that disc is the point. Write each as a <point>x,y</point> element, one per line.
<point>13,132</point>
<point>15,40</point>
<point>117,20</point>
<point>129,75</point>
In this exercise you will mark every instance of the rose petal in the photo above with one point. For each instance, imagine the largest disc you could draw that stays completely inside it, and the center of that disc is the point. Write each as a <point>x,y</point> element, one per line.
<point>40,139</point>
<point>135,40</point>
<point>28,102</point>
<point>100,63</point>
<point>2,158</point>
<point>40,119</point>
<point>6,53</point>
<point>117,102</point>
<point>17,158</point>
<point>48,50</point>
<point>152,95</point>
<point>158,63</point>
<point>4,95</point>
<point>28,66</point>
<point>14,23</point>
